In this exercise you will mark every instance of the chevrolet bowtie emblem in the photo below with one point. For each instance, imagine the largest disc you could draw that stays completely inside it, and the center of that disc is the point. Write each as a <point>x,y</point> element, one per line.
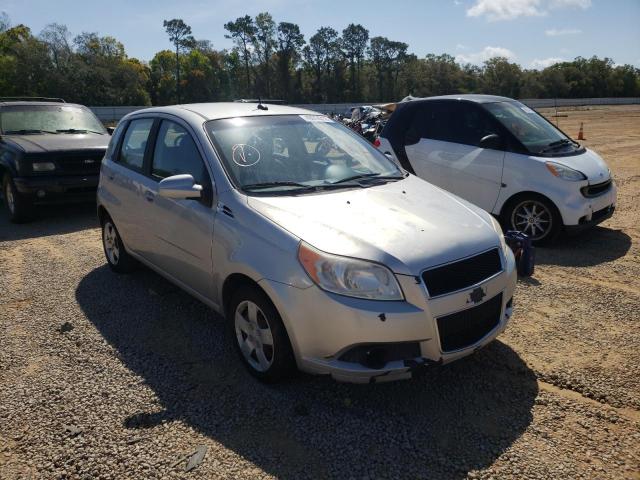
<point>476,295</point>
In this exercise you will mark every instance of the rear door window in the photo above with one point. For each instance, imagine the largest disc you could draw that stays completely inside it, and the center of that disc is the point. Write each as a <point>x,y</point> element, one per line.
<point>176,153</point>
<point>134,143</point>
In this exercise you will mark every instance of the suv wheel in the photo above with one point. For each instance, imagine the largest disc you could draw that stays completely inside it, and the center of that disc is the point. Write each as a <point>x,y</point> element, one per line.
<point>19,207</point>
<point>535,216</point>
<point>260,336</point>
<point>117,257</point>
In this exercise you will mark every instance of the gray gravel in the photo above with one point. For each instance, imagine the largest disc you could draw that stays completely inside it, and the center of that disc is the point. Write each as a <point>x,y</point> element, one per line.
<point>107,376</point>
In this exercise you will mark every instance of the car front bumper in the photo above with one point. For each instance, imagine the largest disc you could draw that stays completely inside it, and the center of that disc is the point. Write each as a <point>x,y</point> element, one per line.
<point>52,188</point>
<point>323,326</point>
<point>580,212</point>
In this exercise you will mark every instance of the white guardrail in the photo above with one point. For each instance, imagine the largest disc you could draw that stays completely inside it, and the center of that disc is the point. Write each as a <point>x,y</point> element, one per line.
<point>114,114</point>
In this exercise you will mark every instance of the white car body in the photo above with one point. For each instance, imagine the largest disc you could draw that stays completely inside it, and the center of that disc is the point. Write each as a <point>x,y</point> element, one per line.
<point>491,178</point>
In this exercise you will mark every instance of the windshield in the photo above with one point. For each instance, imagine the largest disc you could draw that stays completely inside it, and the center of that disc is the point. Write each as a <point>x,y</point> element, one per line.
<point>24,119</point>
<point>284,153</point>
<point>535,133</point>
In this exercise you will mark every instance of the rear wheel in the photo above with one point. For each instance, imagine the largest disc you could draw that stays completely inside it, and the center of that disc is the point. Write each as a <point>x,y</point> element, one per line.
<point>117,257</point>
<point>260,336</point>
<point>19,207</point>
<point>535,216</point>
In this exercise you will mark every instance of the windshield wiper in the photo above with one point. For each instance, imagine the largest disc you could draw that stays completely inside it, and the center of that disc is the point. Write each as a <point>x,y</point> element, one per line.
<point>80,130</point>
<point>26,131</point>
<point>260,186</point>
<point>373,176</point>
<point>558,143</point>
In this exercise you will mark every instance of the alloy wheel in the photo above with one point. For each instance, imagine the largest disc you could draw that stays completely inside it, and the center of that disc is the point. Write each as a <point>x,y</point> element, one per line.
<point>254,335</point>
<point>533,218</point>
<point>110,239</point>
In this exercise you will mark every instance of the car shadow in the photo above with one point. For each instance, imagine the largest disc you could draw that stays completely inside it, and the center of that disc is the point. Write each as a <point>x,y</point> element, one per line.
<point>450,420</point>
<point>49,220</point>
<point>593,247</point>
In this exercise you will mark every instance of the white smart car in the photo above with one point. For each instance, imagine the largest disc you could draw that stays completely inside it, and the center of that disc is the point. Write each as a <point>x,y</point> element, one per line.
<point>504,157</point>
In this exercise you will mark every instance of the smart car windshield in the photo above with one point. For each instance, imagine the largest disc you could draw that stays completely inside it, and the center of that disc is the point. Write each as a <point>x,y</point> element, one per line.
<point>535,133</point>
<point>26,119</point>
<point>293,153</point>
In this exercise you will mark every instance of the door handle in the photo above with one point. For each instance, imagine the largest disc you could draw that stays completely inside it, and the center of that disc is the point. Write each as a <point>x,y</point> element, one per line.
<point>149,195</point>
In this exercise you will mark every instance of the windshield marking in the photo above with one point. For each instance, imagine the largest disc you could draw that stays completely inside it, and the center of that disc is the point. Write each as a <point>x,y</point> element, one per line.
<point>245,155</point>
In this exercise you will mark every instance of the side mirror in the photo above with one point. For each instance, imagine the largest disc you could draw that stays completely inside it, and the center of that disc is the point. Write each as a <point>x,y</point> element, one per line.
<point>179,187</point>
<point>110,130</point>
<point>492,141</point>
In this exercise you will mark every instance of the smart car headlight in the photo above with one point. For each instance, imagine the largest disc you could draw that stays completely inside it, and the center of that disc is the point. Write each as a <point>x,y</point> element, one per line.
<point>564,172</point>
<point>349,276</point>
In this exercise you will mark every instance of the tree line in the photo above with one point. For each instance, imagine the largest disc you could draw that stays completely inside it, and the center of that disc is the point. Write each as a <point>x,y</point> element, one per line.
<point>274,60</point>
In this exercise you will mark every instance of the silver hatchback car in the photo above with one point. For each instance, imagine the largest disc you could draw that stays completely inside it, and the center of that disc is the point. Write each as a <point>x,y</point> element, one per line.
<point>321,253</point>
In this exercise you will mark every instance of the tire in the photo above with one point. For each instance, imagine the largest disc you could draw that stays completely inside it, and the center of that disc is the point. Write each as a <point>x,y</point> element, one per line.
<point>534,215</point>
<point>117,257</point>
<point>19,207</point>
<point>259,336</point>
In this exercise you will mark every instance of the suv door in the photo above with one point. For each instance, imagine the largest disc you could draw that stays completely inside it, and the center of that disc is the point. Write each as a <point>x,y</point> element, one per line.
<point>181,231</point>
<point>448,152</point>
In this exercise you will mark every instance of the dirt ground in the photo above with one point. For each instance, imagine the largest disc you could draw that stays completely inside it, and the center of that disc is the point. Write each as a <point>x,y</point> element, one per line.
<point>106,376</point>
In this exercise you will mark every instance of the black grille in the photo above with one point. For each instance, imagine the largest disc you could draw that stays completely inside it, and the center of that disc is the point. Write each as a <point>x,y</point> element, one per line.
<point>79,163</point>
<point>596,189</point>
<point>465,328</point>
<point>462,274</point>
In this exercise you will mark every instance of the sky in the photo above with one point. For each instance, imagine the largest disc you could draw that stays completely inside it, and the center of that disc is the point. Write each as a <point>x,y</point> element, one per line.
<point>533,33</point>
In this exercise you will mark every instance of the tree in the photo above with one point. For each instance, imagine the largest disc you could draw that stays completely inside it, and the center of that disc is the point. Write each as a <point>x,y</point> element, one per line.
<point>180,35</point>
<point>243,32</point>
<point>290,41</point>
<point>354,45</point>
<point>501,77</point>
<point>265,44</point>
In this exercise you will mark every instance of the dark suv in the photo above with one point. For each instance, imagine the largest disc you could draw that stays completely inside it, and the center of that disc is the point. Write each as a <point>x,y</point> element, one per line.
<point>50,151</point>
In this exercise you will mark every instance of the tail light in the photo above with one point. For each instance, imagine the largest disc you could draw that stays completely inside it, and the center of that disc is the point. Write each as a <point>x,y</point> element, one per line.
<point>376,142</point>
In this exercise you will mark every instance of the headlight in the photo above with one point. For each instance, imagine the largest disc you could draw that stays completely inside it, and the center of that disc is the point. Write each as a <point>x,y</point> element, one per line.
<point>43,166</point>
<point>564,172</point>
<point>349,276</point>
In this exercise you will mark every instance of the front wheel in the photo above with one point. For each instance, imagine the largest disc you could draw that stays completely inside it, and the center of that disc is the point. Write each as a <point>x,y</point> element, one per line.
<point>260,336</point>
<point>535,216</point>
<point>19,207</point>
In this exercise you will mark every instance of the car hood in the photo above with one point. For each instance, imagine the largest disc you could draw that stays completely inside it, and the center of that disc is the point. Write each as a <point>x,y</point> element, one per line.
<point>589,163</point>
<point>60,142</point>
<point>408,225</point>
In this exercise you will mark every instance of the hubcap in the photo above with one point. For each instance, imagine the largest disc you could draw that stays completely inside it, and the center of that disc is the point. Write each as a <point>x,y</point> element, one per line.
<point>8,197</point>
<point>109,237</point>
<point>254,335</point>
<point>533,218</point>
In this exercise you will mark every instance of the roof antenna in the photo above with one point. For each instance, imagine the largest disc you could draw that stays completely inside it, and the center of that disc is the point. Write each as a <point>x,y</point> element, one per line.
<point>260,105</point>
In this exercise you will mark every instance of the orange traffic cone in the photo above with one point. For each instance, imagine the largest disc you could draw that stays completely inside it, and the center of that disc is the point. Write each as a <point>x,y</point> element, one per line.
<point>581,133</point>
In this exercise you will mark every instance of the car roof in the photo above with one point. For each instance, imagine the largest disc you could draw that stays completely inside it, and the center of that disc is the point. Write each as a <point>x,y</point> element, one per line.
<point>470,97</point>
<point>38,103</point>
<point>217,110</point>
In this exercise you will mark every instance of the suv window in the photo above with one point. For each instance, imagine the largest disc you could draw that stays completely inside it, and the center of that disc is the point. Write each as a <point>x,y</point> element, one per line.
<point>176,153</point>
<point>135,143</point>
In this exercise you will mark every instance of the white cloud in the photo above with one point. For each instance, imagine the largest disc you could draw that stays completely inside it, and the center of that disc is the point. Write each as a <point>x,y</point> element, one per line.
<point>495,10</point>
<point>460,46</point>
<point>485,54</point>
<point>556,32</point>
<point>540,64</point>
<point>505,9</point>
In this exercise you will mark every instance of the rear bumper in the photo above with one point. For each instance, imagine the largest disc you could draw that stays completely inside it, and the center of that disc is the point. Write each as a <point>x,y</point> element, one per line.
<point>55,188</point>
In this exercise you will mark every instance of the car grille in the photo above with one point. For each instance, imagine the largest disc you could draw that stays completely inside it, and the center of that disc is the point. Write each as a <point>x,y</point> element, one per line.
<point>462,329</point>
<point>462,274</point>
<point>596,189</point>
<point>79,163</point>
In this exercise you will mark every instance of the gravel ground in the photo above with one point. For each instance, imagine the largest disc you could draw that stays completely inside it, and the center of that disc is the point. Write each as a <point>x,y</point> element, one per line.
<point>106,376</point>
